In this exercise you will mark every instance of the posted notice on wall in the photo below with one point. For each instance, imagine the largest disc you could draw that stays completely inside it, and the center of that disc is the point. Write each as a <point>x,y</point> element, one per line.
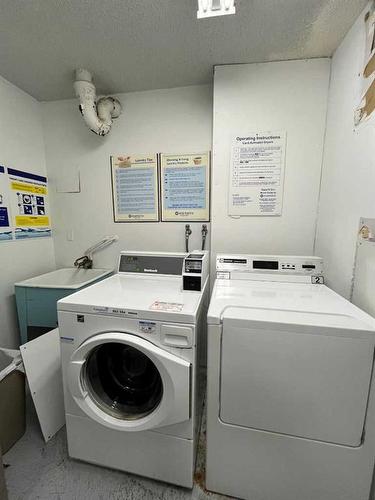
<point>6,232</point>
<point>135,188</point>
<point>257,174</point>
<point>28,198</point>
<point>185,187</point>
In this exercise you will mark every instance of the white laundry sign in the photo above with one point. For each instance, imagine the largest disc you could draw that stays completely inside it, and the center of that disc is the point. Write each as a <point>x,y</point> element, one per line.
<point>257,174</point>
<point>158,305</point>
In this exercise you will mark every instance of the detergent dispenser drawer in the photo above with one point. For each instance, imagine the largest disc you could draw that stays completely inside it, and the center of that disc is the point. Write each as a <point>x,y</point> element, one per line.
<point>306,382</point>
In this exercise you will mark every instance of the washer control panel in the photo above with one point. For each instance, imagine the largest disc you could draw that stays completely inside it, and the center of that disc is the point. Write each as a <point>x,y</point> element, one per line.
<point>195,271</point>
<point>151,263</point>
<point>194,263</point>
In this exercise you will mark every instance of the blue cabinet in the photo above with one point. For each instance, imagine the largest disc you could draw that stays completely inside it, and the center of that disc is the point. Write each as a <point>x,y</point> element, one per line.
<point>36,298</point>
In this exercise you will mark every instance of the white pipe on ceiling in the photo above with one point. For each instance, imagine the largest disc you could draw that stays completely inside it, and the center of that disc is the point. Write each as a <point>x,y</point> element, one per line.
<point>98,115</point>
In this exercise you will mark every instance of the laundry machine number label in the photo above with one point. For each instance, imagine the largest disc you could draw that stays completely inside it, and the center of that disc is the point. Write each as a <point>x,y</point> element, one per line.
<point>317,280</point>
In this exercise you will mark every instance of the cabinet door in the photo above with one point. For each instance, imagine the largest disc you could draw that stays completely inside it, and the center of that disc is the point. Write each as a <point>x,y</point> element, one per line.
<point>41,305</point>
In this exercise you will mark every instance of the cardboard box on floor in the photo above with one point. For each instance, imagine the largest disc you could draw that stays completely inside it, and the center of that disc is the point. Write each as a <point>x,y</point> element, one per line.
<point>12,400</point>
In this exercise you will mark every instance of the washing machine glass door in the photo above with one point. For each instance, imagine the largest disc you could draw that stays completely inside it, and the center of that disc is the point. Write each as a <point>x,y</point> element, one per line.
<point>123,381</point>
<point>126,382</point>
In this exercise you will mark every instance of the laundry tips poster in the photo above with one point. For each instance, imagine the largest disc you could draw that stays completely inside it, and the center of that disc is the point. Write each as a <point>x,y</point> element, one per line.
<point>28,213</point>
<point>135,188</point>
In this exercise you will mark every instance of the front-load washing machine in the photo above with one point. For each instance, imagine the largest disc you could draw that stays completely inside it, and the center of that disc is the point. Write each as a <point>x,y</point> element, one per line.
<point>291,406</point>
<point>129,348</point>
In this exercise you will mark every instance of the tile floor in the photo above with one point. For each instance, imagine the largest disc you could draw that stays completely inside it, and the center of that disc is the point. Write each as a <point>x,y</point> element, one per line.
<point>39,471</point>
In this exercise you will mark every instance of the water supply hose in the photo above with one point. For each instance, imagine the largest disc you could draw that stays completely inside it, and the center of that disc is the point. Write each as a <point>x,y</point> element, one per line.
<point>204,235</point>
<point>188,232</point>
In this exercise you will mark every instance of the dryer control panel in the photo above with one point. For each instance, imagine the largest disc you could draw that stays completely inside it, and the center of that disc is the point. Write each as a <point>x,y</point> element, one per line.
<point>249,266</point>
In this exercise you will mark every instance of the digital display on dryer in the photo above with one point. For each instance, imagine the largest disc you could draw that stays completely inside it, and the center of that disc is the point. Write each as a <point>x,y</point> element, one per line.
<point>266,264</point>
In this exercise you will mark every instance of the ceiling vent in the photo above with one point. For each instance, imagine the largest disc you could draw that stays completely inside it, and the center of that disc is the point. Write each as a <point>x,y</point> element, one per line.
<point>212,8</point>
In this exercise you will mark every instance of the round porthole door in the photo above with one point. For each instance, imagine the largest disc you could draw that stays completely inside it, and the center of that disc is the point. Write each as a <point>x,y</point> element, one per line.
<point>123,381</point>
<point>126,382</point>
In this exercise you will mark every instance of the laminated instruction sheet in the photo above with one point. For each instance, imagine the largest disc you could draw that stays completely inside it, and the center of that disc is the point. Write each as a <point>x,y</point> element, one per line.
<point>257,174</point>
<point>185,187</point>
<point>23,205</point>
<point>135,188</point>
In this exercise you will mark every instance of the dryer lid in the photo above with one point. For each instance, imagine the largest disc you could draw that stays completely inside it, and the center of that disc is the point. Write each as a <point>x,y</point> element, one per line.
<point>283,297</point>
<point>340,325</point>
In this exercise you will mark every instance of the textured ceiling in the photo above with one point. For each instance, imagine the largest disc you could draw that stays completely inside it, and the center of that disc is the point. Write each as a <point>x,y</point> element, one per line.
<point>146,44</point>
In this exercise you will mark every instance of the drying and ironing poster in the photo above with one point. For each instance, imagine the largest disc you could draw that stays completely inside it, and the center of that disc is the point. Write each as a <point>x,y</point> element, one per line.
<point>185,187</point>
<point>28,204</point>
<point>6,232</point>
<point>257,174</point>
<point>135,188</point>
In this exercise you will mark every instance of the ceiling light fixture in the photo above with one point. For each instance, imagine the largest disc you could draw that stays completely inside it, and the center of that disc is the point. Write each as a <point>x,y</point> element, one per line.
<point>212,8</point>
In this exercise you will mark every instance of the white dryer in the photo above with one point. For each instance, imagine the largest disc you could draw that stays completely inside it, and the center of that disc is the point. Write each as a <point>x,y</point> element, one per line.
<point>129,347</point>
<point>291,406</point>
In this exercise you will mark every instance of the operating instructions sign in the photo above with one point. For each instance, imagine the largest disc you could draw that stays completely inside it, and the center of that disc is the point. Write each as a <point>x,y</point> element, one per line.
<point>257,174</point>
<point>185,187</point>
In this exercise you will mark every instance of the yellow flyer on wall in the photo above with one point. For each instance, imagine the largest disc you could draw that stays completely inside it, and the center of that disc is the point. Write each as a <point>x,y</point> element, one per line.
<point>135,188</point>
<point>28,194</point>
<point>185,187</point>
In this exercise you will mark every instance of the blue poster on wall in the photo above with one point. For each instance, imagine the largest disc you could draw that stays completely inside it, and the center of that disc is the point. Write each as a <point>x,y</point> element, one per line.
<point>6,232</point>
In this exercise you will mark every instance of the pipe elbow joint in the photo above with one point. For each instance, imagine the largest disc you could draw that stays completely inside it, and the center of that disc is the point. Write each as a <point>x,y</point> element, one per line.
<point>97,115</point>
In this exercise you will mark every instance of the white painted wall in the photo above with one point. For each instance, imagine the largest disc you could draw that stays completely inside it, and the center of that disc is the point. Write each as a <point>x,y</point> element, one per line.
<point>289,96</point>
<point>21,147</point>
<point>348,182</point>
<point>172,120</point>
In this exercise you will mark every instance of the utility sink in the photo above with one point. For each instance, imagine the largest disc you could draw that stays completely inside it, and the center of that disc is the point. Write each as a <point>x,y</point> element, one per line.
<point>69,277</point>
<point>37,297</point>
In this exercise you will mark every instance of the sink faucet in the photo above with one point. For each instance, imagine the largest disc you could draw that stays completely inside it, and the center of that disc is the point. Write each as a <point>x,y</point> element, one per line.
<point>83,262</point>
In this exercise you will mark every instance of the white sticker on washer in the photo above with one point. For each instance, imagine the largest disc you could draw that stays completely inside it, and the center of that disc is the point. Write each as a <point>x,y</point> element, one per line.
<point>69,340</point>
<point>223,275</point>
<point>166,306</point>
